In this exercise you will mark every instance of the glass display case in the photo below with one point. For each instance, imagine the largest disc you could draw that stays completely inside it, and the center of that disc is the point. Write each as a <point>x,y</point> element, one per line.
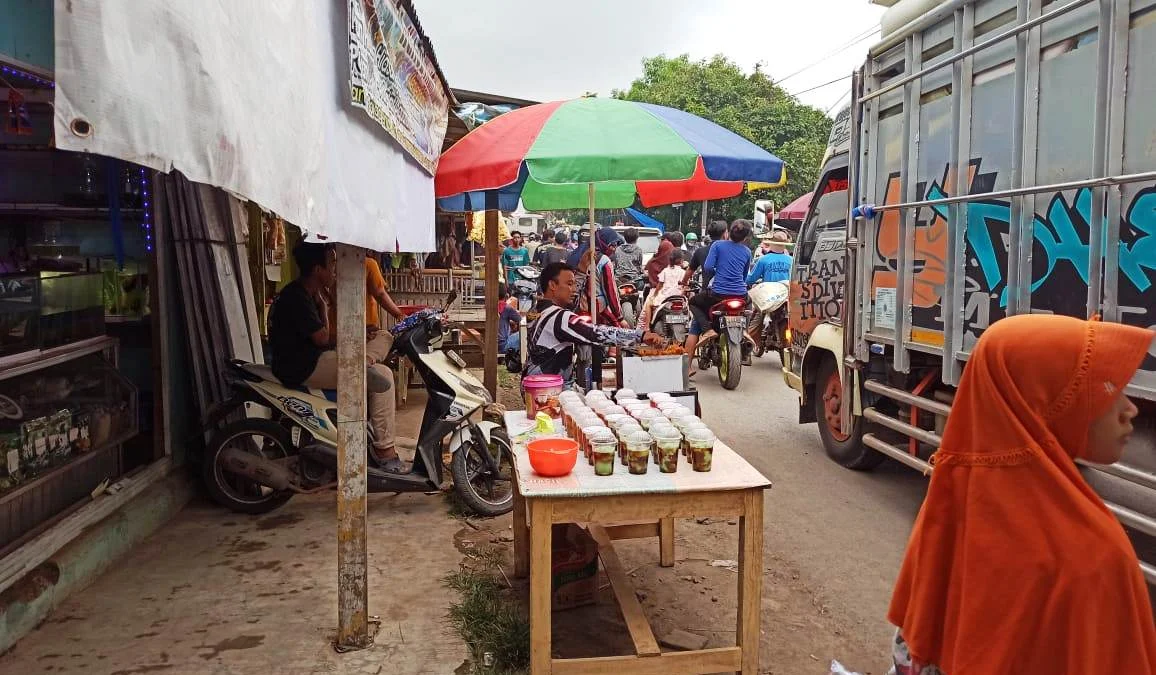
<point>48,309</point>
<point>53,416</point>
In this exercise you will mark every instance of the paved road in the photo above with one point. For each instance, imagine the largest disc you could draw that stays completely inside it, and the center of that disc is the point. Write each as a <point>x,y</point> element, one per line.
<point>842,531</point>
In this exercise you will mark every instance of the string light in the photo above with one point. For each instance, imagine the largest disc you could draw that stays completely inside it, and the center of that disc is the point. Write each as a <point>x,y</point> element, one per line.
<point>146,203</point>
<point>16,72</point>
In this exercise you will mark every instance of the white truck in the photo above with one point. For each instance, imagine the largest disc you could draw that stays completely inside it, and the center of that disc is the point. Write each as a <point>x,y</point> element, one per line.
<point>998,158</point>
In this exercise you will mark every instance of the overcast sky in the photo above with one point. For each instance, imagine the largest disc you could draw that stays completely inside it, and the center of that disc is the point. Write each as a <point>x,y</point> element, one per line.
<point>558,49</point>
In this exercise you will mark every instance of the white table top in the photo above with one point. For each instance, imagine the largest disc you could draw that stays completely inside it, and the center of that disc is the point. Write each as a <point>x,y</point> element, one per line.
<point>729,471</point>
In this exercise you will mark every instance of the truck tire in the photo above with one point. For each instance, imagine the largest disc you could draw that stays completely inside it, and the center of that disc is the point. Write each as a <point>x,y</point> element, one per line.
<point>845,447</point>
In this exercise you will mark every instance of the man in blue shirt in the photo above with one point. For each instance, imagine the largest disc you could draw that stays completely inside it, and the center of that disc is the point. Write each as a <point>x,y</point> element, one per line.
<point>773,265</point>
<point>727,261</point>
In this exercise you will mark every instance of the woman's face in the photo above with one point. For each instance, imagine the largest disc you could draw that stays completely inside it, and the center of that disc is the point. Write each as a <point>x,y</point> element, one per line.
<point>1109,432</point>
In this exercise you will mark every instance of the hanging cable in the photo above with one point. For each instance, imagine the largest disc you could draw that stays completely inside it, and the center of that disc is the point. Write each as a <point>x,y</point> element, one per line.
<point>797,94</point>
<point>854,41</point>
<point>837,103</point>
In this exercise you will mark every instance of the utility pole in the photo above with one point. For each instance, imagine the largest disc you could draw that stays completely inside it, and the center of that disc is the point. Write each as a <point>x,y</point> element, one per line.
<point>493,271</point>
<point>352,557</point>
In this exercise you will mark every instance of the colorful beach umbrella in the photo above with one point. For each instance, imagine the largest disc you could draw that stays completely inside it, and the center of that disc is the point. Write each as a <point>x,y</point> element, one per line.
<point>797,210</point>
<point>553,155</point>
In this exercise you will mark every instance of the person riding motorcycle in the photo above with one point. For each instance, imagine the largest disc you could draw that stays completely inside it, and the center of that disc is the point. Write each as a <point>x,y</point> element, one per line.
<point>609,308</point>
<point>727,262</point>
<point>557,331</point>
<point>628,258</point>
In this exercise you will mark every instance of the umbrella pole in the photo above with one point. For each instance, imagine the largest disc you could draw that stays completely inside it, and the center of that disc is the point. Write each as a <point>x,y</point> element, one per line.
<point>592,270</point>
<point>702,222</point>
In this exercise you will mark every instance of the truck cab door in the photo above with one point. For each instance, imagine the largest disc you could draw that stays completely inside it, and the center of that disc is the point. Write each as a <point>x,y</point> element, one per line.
<point>817,272</point>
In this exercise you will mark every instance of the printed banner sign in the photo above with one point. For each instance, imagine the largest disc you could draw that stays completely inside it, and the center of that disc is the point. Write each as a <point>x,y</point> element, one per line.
<point>393,78</point>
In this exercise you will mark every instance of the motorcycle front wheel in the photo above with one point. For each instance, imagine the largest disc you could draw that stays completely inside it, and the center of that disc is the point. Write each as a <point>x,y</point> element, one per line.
<point>485,494</point>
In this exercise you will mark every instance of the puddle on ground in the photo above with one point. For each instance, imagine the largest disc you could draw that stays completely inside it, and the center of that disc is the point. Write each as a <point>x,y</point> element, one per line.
<point>232,644</point>
<point>279,520</point>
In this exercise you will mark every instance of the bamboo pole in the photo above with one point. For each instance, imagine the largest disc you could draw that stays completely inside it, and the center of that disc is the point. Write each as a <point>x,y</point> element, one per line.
<point>493,259</point>
<point>352,558</point>
<point>591,271</point>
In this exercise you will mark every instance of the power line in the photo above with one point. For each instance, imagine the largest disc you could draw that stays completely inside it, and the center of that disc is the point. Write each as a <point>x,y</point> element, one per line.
<point>836,104</point>
<point>854,41</point>
<point>825,84</point>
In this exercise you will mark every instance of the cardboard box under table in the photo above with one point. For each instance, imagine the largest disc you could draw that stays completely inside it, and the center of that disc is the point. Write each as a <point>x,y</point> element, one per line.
<point>649,502</point>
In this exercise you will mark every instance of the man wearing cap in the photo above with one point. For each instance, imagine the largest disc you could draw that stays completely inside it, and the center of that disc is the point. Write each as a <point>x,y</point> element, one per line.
<point>775,263</point>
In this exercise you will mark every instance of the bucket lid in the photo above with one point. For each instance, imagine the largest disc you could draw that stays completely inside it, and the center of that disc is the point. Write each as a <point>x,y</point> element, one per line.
<point>541,381</point>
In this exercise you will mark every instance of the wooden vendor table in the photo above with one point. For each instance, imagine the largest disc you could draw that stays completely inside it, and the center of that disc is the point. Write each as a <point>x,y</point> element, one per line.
<point>649,503</point>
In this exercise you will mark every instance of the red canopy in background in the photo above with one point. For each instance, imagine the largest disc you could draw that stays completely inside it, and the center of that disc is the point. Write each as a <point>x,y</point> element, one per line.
<point>694,189</point>
<point>796,210</point>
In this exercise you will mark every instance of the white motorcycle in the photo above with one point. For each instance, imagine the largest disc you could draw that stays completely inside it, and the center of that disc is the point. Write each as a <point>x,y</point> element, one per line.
<point>525,288</point>
<point>770,299</point>
<point>256,464</point>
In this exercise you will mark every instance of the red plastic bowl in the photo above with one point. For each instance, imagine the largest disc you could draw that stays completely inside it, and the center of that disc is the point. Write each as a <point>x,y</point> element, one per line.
<point>553,456</point>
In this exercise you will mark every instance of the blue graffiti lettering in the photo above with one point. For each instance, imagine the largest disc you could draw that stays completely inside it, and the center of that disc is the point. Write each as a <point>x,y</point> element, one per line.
<point>1058,236</point>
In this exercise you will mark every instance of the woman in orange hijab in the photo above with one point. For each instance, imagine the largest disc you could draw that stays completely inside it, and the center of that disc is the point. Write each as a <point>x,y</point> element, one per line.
<point>1015,565</point>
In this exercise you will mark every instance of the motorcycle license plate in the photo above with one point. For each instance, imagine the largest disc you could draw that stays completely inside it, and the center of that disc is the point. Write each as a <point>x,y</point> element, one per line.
<point>675,318</point>
<point>734,321</point>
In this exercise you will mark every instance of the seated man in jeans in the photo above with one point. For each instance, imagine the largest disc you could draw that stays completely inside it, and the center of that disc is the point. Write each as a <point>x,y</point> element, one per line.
<point>301,342</point>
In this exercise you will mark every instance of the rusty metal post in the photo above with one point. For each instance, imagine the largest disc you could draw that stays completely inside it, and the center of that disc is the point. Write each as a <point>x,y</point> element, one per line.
<point>493,271</point>
<point>352,558</point>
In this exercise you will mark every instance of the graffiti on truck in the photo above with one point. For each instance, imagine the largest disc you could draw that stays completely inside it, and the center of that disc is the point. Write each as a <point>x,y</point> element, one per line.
<point>1060,265</point>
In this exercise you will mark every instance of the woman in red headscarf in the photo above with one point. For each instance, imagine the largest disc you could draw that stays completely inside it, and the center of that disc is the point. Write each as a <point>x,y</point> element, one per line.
<point>1015,565</point>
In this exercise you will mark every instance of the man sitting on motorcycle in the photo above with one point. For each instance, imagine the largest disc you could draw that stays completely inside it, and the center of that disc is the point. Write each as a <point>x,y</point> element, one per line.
<point>628,258</point>
<point>301,342</point>
<point>775,263</point>
<point>557,331</point>
<point>727,262</point>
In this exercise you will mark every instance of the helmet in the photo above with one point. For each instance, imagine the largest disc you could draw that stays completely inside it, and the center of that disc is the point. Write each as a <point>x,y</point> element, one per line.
<point>691,236</point>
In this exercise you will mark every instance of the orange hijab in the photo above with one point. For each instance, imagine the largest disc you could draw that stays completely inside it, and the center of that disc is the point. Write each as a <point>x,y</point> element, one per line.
<point>1014,564</point>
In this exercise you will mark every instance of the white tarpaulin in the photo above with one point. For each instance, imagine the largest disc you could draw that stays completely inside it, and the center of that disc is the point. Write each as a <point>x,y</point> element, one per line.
<point>249,96</point>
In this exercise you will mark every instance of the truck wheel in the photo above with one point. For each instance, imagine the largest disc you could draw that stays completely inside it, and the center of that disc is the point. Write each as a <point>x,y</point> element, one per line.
<point>845,446</point>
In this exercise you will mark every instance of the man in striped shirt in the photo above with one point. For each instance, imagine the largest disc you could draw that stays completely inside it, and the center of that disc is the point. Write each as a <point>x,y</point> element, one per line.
<point>557,331</point>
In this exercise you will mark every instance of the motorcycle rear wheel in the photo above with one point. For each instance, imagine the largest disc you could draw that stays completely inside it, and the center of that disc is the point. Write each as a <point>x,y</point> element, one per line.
<point>730,364</point>
<point>236,493</point>
<point>474,485</point>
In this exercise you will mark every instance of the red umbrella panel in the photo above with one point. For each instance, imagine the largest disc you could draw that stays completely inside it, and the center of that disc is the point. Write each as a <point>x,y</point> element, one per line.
<point>796,210</point>
<point>694,189</point>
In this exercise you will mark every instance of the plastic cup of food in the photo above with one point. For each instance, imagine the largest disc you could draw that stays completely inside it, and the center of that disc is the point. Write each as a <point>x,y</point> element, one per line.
<point>595,395</point>
<point>662,428</point>
<point>670,407</point>
<point>638,451</point>
<point>657,397</point>
<point>701,448</point>
<point>667,442</point>
<point>604,448</point>
<point>645,416</point>
<point>588,433</point>
<point>624,430</point>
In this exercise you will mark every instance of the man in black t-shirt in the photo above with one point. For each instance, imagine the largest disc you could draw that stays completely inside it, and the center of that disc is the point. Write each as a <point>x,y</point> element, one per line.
<point>716,230</point>
<point>301,346</point>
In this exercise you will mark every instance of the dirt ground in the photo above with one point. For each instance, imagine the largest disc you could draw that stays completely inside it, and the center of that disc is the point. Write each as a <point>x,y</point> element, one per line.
<point>799,631</point>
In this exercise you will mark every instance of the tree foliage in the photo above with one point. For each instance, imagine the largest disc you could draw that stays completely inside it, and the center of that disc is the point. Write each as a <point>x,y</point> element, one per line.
<point>750,105</point>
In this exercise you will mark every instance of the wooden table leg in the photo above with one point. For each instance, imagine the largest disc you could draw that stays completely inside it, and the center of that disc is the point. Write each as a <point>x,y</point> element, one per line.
<point>750,579</point>
<point>540,590</point>
<point>521,536</point>
<point>666,542</point>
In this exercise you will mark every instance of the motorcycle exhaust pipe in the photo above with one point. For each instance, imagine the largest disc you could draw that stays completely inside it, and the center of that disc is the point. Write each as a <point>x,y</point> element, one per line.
<point>257,469</point>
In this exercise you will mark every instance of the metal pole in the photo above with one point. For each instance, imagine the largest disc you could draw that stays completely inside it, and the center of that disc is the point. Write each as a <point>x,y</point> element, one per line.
<point>591,281</point>
<point>493,259</point>
<point>352,559</point>
<point>702,222</point>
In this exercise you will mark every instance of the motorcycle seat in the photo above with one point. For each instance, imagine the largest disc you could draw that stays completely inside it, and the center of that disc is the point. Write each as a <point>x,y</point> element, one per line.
<point>260,370</point>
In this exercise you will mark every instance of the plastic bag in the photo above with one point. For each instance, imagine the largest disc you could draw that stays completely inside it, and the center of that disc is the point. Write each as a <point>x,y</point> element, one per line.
<point>838,669</point>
